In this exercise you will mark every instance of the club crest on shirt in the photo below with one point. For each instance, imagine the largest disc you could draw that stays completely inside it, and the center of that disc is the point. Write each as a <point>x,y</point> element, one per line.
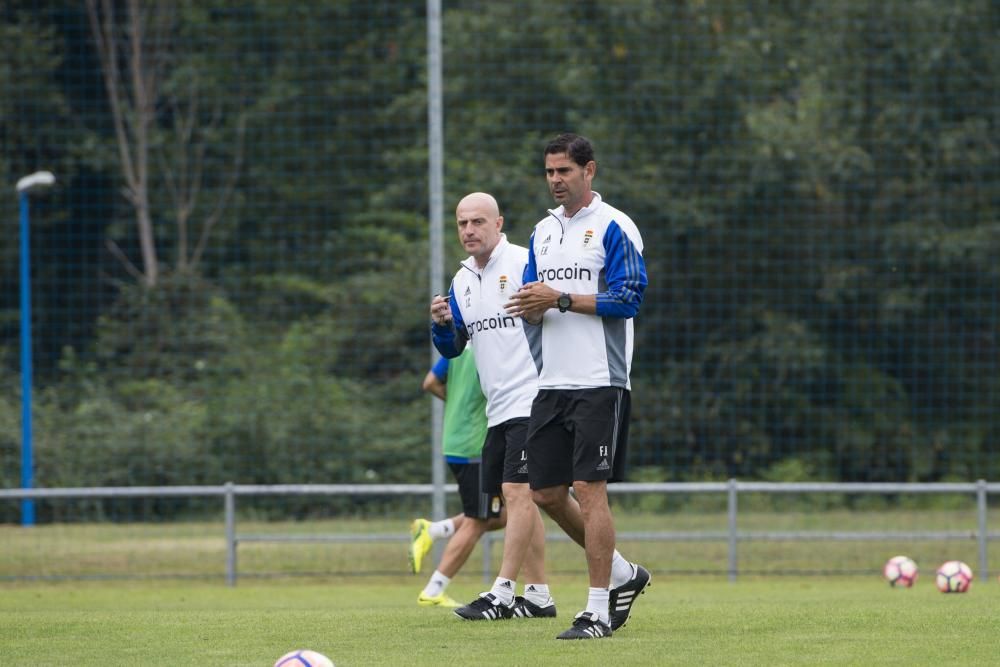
<point>503,284</point>
<point>588,236</point>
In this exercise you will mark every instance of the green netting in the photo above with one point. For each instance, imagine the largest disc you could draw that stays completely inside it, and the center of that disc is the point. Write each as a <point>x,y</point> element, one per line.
<point>230,278</point>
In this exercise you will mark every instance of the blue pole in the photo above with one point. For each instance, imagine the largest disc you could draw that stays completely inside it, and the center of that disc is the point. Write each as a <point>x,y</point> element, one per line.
<point>27,465</point>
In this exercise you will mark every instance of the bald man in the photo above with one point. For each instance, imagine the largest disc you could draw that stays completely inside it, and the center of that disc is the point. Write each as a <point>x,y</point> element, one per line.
<point>473,312</point>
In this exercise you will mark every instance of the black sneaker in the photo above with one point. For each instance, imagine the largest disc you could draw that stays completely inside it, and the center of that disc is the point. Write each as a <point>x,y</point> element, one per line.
<point>621,599</point>
<point>587,625</point>
<point>487,607</point>
<point>524,608</point>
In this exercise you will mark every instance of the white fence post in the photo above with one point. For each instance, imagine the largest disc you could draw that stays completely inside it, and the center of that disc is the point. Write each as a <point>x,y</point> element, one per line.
<point>983,536</point>
<point>731,506</point>
<point>230,504</point>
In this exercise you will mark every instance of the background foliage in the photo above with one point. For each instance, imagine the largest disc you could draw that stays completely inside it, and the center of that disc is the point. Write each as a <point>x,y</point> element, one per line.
<point>817,185</point>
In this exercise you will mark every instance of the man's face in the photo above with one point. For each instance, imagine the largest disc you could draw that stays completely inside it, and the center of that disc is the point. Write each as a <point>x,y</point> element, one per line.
<point>478,227</point>
<point>569,183</point>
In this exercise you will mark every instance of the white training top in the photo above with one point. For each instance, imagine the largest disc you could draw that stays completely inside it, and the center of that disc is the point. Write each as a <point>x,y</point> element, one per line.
<point>507,370</point>
<point>597,251</point>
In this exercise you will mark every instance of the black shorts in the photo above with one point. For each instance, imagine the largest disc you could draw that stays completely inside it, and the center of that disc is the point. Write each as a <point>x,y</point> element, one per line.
<point>504,455</point>
<point>476,503</point>
<point>578,435</point>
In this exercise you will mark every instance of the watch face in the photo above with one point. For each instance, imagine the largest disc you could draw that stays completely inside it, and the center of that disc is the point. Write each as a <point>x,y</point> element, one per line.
<point>564,302</point>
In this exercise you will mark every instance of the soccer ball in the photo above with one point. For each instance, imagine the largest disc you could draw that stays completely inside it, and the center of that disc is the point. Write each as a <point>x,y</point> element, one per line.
<point>900,571</point>
<point>304,658</point>
<point>954,577</point>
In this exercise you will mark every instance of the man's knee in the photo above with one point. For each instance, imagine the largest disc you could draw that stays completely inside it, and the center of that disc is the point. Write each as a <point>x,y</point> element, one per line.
<point>495,523</point>
<point>549,499</point>
<point>591,494</point>
<point>515,494</point>
<point>473,526</point>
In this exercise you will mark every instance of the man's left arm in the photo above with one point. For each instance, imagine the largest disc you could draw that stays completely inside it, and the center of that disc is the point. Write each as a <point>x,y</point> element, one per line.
<point>625,274</point>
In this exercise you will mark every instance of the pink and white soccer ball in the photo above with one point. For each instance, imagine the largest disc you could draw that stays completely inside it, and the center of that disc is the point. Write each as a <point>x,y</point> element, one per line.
<point>900,571</point>
<point>954,576</point>
<point>303,658</point>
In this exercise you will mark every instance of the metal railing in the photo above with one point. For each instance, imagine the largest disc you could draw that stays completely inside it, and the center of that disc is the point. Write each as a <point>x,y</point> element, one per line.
<point>732,535</point>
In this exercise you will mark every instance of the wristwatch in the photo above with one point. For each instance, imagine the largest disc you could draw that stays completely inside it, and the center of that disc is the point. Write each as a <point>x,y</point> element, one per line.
<point>565,302</point>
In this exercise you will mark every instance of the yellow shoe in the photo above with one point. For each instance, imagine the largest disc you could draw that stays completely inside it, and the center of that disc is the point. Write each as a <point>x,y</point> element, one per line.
<point>420,543</point>
<point>440,600</point>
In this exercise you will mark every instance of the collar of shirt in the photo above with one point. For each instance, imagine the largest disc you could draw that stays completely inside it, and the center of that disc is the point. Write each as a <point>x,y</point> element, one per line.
<point>559,213</point>
<point>470,262</point>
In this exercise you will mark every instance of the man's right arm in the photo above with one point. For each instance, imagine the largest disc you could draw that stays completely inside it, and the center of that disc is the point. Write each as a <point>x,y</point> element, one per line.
<point>450,335</point>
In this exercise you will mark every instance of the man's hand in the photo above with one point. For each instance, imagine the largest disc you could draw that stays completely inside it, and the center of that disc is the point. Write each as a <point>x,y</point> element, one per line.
<point>531,302</point>
<point>440,310</point>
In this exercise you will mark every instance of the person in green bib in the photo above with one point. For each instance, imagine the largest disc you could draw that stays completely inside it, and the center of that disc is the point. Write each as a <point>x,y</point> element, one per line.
<point>456,382</point>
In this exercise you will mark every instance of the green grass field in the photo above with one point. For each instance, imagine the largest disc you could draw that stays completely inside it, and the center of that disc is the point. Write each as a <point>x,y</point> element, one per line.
<point>154,594</point>
<point>375,621</point>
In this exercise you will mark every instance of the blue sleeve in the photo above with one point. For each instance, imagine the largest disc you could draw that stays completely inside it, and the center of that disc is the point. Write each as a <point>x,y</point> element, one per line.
<point>449,339</point>
<point>530,269</point>
<point>440,369</point>
<point>625,274</point>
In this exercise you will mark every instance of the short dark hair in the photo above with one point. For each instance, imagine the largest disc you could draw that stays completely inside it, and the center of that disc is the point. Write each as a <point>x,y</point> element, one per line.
<point>578,148</point>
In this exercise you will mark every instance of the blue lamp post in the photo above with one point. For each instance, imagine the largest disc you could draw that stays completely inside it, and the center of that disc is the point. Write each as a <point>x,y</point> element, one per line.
<point>33,182</point>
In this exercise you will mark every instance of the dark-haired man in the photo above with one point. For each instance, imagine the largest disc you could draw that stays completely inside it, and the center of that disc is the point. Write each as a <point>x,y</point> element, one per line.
<point>584,283</point>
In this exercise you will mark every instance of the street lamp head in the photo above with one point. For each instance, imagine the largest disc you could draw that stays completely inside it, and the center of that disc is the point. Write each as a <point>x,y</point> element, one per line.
<point>39,179</point>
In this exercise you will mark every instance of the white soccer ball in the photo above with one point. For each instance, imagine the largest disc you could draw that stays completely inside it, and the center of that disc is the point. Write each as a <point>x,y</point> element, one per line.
<point>954,576</point>
<point>303,658</point>
<point>900,571</point>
